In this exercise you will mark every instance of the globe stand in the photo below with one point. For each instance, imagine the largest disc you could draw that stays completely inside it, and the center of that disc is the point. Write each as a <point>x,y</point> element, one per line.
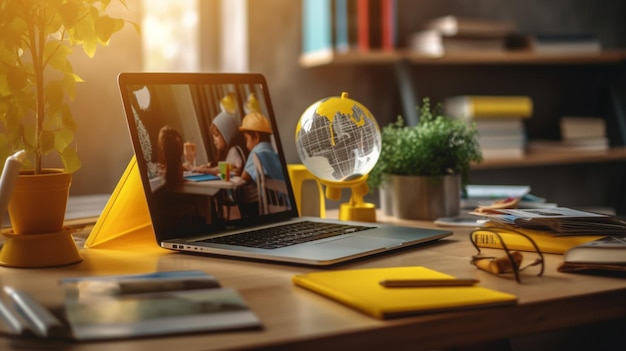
<point>356,209</point>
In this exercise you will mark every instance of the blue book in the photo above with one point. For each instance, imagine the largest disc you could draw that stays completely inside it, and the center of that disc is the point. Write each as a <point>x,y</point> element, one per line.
<point>201,177</point>
<point>342,39</point>
<point>317,26</point>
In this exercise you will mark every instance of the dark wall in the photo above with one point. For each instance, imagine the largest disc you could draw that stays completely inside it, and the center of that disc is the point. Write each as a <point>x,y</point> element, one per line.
<point>275,43</point>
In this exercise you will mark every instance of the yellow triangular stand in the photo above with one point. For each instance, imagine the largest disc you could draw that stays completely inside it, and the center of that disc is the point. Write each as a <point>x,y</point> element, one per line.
<point>125,221</point>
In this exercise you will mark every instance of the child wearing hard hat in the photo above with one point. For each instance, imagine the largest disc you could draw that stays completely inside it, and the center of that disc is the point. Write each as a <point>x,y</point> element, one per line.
<point>257,131</point>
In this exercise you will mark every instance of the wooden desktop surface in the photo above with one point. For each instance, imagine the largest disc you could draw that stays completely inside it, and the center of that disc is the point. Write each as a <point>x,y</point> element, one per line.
<point>295,318</point>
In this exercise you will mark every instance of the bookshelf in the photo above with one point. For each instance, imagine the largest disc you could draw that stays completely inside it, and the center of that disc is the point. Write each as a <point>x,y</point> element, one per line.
<point>614,154</point>
<point>403,59</point>
<point>331,58</point>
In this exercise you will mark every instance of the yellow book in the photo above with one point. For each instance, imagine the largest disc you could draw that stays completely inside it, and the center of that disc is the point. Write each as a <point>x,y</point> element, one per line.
<point>548,242</point>
<point>469,107</point>
<point>361,289</point>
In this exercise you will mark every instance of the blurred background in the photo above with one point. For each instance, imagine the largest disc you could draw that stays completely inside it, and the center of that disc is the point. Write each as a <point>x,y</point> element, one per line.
<point>265,36</point>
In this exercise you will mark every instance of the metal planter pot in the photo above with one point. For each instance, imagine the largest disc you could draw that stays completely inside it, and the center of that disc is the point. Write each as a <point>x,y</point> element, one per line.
<point>421,197</point>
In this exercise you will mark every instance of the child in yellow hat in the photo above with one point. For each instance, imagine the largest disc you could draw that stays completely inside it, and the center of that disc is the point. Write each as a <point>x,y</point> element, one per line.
<point>257,131</point>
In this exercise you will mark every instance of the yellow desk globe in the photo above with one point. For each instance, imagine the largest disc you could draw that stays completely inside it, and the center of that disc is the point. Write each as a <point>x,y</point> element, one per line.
<point>339,141</point>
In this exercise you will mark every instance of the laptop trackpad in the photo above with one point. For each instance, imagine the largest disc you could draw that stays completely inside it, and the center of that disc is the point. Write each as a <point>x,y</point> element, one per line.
<point>361,242</point>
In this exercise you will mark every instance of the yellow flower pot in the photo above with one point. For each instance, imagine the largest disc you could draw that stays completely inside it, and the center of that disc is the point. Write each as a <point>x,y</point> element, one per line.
<point>38,202</point>
<point>37,212</point>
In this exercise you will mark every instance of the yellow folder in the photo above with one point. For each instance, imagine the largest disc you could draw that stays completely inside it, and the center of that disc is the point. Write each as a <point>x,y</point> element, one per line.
<point>361,289</point>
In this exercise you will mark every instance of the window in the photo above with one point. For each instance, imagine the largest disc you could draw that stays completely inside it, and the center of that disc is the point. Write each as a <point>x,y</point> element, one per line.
<point>170,32</point>
<point>195,35</point>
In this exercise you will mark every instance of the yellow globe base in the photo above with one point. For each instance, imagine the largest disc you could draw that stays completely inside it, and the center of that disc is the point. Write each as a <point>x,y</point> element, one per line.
<point>39,250</point>
<point>363,213</point>
<point>356,209</point>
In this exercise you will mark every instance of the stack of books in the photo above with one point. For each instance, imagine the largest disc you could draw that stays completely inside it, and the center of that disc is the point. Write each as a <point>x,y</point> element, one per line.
<point>606,254</point>
<point>499,121</point>
<point>578,134</point>
<point>459,34</point>
<point>556,43</point>
<point>555,230</point>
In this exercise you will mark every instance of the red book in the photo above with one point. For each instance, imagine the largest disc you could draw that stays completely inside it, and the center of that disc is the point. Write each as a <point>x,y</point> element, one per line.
<point>388,24</point>
<point>363,25</point>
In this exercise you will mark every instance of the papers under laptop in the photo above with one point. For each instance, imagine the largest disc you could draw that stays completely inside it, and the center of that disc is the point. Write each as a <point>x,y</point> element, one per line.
<point>180,122</point>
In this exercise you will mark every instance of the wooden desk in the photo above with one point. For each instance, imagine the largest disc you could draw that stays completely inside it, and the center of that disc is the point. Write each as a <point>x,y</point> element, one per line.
<point>295,318</point>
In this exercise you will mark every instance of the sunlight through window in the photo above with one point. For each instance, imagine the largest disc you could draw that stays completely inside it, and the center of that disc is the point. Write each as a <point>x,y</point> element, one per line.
<point>170,32</point>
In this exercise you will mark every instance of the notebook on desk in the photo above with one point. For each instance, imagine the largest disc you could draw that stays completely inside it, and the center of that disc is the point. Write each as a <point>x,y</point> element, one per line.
<point>220,217</point>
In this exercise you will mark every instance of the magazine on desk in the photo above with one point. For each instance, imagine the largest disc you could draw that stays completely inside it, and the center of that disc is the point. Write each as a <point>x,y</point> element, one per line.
<point>126,306</point>
<point>560,220</point>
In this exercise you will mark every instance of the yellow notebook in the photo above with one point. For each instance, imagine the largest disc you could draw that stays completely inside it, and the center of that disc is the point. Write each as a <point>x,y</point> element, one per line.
<point>361,289</point>
<point>547,242</point>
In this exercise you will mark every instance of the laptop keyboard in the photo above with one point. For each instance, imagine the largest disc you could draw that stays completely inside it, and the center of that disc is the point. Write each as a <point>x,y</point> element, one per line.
<point>286,235</point>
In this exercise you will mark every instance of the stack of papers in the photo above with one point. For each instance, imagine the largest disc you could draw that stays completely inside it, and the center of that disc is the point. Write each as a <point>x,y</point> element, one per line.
<point>480,195</point>
<point>560,220</point>
<point>124,306</point>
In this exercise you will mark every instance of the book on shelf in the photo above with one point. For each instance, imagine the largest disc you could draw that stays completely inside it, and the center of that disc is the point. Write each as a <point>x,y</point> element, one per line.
<point>450,34</point>
<point>501,137</point>
<point>578,134</point>
<point>555,43</point>
<point>547,241</point>
<point>389,24</point>
<point>470,107</point>
<point>431,42</point>
<point>125,306</point>
<point>502,141</point>
<point>377,24</point>
<point>604,254</point>
<point>502,153</point>
<point>362,290</point>
<point>317,28</point>
<point>491,146</point>
<point>471,27</point>
<point>330,26</point>
<point>574,127</point>
<point>569,146</point>
<point>505,126</point>
<point>561,43</point>
<point>369,25</point>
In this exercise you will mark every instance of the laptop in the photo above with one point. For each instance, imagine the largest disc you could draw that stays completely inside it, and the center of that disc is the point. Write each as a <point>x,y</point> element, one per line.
<point>221,215</point>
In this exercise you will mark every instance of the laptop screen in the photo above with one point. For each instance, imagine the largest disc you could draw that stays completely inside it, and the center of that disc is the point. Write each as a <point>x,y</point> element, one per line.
<point>208,151</point>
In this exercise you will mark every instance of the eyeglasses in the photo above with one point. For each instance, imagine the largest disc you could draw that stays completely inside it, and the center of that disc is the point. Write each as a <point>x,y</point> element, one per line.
<point>511,262</point>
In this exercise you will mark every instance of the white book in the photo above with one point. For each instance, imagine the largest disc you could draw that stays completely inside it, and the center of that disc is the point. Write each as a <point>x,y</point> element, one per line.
<point>468,26</point>
<point>502,153</point>
<point>569,146</point>
<point>582,127</point>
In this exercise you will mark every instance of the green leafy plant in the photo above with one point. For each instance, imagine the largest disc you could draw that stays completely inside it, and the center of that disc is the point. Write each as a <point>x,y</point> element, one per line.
<point>36,77</point>
<point>437,146</point>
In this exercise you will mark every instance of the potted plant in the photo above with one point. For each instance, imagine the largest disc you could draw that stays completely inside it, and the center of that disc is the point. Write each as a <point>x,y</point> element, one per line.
<point>36,83</point>
<point>427,163</point>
